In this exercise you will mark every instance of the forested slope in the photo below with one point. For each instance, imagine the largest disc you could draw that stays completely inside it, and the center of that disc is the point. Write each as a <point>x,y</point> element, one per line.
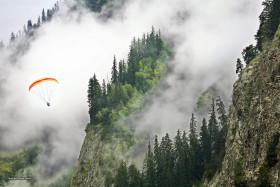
<point>109,137</point>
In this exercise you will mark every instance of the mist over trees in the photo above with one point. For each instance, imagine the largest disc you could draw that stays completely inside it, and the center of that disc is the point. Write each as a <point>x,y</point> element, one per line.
<point>13,162</point>
<point>29,29</point>
<point>145,64</point>
<point>186,160</point>
<point>95,5</point>
<point>183,161</point>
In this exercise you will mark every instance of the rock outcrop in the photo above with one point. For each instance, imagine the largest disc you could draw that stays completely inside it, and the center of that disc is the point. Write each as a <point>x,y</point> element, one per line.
<point>97,159</point>
<point>255,122</point>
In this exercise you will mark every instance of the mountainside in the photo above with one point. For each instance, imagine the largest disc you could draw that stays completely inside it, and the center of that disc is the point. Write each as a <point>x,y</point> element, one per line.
<point>125,110</point>
<point>96,159</point>
<point>252,146</point>
<point>110,137</point>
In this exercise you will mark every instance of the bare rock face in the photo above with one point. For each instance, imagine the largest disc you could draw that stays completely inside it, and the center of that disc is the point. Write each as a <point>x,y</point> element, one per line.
<point>254,121</point>
<point>97,159</point>
<point>102,153</point>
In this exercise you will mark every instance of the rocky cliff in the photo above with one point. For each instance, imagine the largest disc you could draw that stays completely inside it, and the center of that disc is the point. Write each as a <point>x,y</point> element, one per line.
<point>100,156</point>
<point>252,146</point>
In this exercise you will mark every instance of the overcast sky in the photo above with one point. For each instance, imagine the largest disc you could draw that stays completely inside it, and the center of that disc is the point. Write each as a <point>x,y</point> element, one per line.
<point>15,13</point>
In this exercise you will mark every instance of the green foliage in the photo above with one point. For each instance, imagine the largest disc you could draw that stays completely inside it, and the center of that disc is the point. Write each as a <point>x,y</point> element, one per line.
<point>11,163</point>
<point>64,180</point>
<point>219,148</point>
<point>114,72</point>
<point>193,126</point>
<point>249,53</point>
<point>271,155</point>
<point>239,66</point>
<point>109,180</point>
<point>95,5</point>
<point>239,174</point>
<point>269,21</point>
<point>124,94</point>
<point>263,178</point>
<point>213,127</point>
<point>94,98</point>
<point>121,179</point>
<point>134,178</point>
<point>186,161</point>
<point>149,168</point>
<point>181,173</point>
<point>233,131</point>
<point>205,142</point>
<point>204,100</point>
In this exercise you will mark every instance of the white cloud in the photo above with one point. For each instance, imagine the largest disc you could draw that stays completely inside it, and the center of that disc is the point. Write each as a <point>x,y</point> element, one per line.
<point>208,36</point>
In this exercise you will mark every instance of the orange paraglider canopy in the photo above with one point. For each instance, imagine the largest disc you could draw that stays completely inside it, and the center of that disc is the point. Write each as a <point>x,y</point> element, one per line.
<point>41,80</point>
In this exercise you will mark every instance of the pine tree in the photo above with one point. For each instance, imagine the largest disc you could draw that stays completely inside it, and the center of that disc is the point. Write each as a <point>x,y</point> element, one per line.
<point>134,178</point>
<point>114,71</point>
<point>12,38</point>
<point>269,21</point>
<point>195,165</point>
<point>133,64</point>
<point>121,72</point>
<point>44,19</point>
<point>215,142</point>
<point>213,124</point>
<point>239,174</point>
<point>121,179</point>
<point>274,18</point>
<point>179,156</point>
<point>168,159</point>
<point>49,14</point>
<point>124,72</point>
<point>24,30</point>
<point>193,134</point>
<point>104,94</point>
<point>158,163</point>
<point>29,28</point>
<point>248,54</point>
<point>2,44</point>
<point>118,95</point>
<point>186,181</point>
<point>239,66</point>
<point>223,119</point>
<point>149,168</point>
<point>90,97</point>
<point>94,98</point>
<point>205,142</point>
<point>109,181</point>
<point>56,7</point>
<point>38,22</point>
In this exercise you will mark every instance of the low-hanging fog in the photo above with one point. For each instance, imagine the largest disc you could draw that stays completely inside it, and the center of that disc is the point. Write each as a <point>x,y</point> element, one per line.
<point>15,13</point>
<point>206,38</point>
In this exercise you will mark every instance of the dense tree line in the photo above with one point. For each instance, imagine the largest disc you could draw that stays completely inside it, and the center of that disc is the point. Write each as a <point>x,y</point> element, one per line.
<point>269,22</point>
<point>144,66</point>
<point>95,5</point>
<point>30,28</point>
<point>11,163</point>
<point>183,162</point>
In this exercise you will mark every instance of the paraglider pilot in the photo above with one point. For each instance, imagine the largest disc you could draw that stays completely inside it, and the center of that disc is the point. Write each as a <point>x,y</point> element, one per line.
<point>46,87</point>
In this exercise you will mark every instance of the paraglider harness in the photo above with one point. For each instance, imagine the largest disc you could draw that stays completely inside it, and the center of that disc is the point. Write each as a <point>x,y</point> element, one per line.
<point>48,104</point>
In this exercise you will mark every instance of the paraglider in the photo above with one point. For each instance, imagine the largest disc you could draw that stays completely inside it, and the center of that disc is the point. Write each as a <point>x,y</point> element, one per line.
<point>44,88</point>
